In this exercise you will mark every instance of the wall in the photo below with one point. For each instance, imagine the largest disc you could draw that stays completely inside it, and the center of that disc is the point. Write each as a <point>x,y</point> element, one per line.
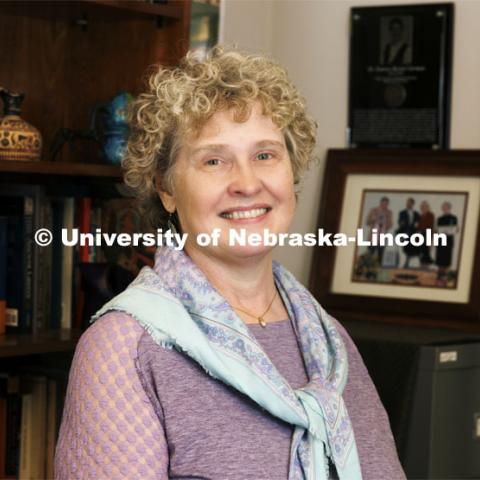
<point>310,38</point>
<point>248,23</point>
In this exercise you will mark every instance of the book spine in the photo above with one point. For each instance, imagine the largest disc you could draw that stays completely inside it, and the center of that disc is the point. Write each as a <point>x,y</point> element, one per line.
<point>94,224</point>
<point>84,212</point>
<point>3,435</point>
<point>26,321</point>
<point>33,434</point>
<point>67,265</point>
<point>42,270</point>
<point>39,427</point>
<point>38,266</point>
<point>3,273</point>
<point>51,427</point>
<point>57,257</point>
<point>25,467</point>
<point>47,272</point>
<point>15,260</point>
<point>14,418</point>
<point>77,293</point>
<point>97,252</point>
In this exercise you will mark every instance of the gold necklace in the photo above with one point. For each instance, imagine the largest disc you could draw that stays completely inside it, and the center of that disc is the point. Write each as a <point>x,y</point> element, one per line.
<point>260,318</point>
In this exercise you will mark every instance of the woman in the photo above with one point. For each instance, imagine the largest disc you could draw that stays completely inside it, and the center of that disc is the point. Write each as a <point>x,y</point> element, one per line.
<point>217,363</point>
<point>426,222</point>
<point>447,223</point>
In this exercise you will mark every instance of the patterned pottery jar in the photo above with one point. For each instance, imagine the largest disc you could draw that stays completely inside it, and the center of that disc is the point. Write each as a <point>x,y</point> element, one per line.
<point>18,139</point>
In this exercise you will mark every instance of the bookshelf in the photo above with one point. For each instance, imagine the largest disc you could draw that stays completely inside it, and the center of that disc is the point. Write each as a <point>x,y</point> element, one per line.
<point>60,169</point>
<point>55,178</point>
<point>97,9</point>
<point>52,341</point>
<point>68,56</point>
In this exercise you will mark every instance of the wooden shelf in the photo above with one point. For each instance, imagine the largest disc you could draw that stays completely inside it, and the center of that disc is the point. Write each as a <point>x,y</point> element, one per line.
<point>61,169</point>
<point>84,10</point>
<point>16,345</point>
<point>172,9</point>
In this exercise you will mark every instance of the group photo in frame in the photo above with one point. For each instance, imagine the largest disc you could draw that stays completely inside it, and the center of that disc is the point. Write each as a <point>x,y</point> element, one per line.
<point>409,192</point>
<point>420,216</point>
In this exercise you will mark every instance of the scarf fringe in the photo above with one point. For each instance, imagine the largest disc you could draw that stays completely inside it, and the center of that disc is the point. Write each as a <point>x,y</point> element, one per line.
<point>167,343</point>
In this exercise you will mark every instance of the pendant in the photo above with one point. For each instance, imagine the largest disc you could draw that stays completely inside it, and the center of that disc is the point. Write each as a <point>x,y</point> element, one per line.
<point>262,322</point>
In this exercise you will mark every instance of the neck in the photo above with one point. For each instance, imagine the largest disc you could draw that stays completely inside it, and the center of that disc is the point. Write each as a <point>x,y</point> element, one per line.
<point>247,284</point>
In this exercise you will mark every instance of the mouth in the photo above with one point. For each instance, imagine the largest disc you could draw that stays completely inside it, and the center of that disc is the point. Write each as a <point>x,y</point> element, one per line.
<point>240,214</point>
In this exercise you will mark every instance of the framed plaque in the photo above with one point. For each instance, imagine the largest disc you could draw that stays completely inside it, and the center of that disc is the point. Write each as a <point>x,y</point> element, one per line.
<point>400,76</point>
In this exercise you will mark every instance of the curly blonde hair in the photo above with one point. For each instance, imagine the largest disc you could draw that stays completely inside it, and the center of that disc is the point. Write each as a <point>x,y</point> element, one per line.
<point>180,100</point>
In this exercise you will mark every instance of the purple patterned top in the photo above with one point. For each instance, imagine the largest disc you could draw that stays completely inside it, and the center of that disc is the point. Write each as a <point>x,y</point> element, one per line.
<point>137,410</point>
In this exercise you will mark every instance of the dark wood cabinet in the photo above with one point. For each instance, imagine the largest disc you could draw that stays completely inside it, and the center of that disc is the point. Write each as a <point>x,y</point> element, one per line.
<point>68,56</point>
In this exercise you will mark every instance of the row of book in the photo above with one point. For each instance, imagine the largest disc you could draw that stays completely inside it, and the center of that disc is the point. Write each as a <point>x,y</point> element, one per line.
<point>45,287</point>
<point>30,415</point>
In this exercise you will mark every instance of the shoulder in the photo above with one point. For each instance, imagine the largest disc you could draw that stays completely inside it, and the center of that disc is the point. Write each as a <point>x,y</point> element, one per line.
<point>358,376</point>
<point>349,344</point>
<point>111,325</point>
<point>110,428</point>
<point>114,333</point>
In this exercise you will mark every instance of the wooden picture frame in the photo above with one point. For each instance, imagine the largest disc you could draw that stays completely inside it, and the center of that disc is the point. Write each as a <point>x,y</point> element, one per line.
<point>354,180</point>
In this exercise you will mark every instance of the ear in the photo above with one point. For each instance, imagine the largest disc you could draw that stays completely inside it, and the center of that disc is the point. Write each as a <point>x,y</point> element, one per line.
<point>167,199</point>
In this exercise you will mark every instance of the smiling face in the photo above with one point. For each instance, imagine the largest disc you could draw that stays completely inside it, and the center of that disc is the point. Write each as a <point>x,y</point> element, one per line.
<point>233,175</point>
<point>424,207</point>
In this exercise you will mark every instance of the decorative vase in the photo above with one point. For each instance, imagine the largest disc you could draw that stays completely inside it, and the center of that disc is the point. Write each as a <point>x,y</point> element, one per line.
<point>18,139</point>
<point>110,126</point>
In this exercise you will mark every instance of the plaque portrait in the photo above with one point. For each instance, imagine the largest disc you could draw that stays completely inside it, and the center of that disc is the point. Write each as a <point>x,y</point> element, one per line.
<point>400,76</point>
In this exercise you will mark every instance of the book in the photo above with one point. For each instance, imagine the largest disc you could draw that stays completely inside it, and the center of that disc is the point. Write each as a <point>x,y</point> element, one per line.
<point>42,269</point>
<point>9,389</point>
<point>26,442</point>
<point>3,273</point>
<point>46,271</point>
<point>56,263</point>
<point>51,426</point>
<point>62,262</point>
<point>3,435</point>
<point>34,428</point>
<point>83,220</point>
<point>13,428</point>
<point>25,255</point>
<point>19,313</point>
<point>67,265</point>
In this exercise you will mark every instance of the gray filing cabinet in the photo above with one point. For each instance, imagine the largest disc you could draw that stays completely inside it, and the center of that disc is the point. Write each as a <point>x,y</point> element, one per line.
<point>429,382</point>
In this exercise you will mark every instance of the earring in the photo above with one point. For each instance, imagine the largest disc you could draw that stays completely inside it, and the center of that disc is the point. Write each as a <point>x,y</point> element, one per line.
<point>171,225</point>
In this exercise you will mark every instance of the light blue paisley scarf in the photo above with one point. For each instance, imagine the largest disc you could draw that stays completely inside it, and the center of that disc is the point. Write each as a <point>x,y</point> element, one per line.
<point>179,307</point>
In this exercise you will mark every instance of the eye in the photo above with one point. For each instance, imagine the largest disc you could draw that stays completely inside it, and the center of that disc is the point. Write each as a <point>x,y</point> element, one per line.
<point>213,162</point>
<point>264,156</point>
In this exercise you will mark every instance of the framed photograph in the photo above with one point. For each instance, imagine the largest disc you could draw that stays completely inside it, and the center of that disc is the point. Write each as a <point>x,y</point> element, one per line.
<point>411,220</point>
<point>421,216</point>
<point>400,76</point>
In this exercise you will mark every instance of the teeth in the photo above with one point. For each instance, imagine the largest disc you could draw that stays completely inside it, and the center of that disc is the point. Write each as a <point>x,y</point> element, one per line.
<point>245,214</point>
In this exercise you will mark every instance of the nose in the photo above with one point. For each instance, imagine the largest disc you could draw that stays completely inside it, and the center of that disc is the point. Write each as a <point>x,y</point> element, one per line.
<point>245,180</point>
